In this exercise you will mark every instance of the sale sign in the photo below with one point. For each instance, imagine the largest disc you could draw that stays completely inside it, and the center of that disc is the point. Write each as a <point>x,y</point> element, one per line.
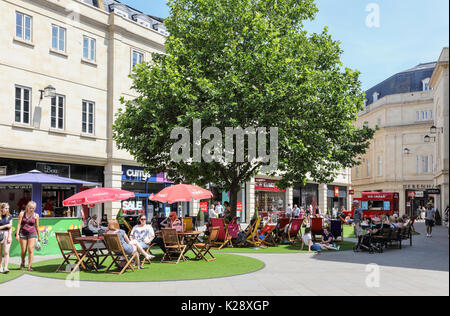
<point>239,207</point>
<point>204,206</point>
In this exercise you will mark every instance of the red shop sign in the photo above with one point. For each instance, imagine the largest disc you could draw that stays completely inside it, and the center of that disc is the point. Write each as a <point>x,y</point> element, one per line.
<point>266,185</point>
<point>204,206</point>
<point>351,192</point>
<point>336,191</point>
<point>239,207</point>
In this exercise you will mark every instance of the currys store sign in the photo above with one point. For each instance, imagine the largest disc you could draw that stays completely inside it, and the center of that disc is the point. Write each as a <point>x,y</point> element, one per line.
<point>131,173</point>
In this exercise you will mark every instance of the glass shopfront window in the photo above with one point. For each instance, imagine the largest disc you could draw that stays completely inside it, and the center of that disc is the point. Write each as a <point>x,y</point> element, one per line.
<point>306,195</point>
<point>268,197</point>
<point>337,198</point>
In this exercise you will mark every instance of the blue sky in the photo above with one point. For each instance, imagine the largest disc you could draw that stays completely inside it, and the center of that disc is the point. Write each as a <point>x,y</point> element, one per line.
<point>409,32</point>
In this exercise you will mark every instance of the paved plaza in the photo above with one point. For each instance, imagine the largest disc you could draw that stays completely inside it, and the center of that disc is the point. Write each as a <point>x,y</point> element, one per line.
<point>419,270</point>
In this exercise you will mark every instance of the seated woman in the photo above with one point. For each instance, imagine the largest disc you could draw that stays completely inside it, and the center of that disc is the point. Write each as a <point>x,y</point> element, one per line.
<point>348,220</point>
<point>171,222</point>
<point>327,240</point>
<point>129,246</point>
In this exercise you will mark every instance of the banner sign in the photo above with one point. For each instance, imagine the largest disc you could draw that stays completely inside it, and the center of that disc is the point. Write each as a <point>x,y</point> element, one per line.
<point>47,228</point>
<point>266,185</point>
<point>239,207</point>
<point>204,207</point>
<point>336,191</point>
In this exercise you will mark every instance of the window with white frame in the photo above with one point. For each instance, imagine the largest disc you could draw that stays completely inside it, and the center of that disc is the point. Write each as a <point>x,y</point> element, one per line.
<point>23,26</point>
<point>137,58</point>
<point>88,48</point>
<point>379,166</point>
<point>58,38</point>
<point>424,164</point>
<point>87,117</point>
<point>22,111</point>
<point>375,96</point>
<point>57,112</point>
<point>424,115</point>
<point>367,168</point>
<point>425,84</point>
<point>357,172</point>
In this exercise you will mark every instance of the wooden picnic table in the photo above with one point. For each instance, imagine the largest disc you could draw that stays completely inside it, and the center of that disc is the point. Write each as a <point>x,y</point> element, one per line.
<point>94,254</point>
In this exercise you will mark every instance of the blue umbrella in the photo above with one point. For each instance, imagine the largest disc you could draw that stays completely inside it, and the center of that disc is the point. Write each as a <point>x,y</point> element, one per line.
<point>37,179</point>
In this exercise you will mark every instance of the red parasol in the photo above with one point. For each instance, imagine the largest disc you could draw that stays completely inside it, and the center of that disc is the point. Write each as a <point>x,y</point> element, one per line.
<point>98,195</point>
<point>181,193</point>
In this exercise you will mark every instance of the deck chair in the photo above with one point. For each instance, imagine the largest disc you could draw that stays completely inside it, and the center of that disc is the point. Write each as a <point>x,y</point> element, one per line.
<point>174,249</point>
<point>267,240</point>
<point>187,224</point>
<point>263,214</point>
<point>284,222</point>
<point>316,227</point>
<point>294,230</point>
<point>69,252</point>
<point>203,249</point>
<point>115,251</point>
<point>224,237</point>
<point>252,235</point>
<point>337,229</point>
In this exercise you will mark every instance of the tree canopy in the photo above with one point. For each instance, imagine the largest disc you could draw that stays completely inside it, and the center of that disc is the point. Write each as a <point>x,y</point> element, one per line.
<point>246,63</point>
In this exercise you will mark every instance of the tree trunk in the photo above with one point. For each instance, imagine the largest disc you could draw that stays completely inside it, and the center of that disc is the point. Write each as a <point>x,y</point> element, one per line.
<point>233,199</point>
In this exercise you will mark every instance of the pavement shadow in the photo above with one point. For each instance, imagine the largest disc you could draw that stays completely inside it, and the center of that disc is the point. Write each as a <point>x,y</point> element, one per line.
<point>425,253</point>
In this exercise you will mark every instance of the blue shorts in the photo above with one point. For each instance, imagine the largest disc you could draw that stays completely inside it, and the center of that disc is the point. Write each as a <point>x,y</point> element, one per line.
<point>143,245</point>
<point>316,247</point>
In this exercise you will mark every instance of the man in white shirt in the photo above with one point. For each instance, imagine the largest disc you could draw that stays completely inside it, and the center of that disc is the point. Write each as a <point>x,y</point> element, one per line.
<point>219,209</point>
<point>289,210</point>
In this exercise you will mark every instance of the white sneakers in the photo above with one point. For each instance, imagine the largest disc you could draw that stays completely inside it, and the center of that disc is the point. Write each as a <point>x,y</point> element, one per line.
<point>1,269</point>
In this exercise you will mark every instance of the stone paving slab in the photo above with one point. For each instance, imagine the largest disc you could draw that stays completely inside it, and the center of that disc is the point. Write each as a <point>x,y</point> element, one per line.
<point>419,270</point>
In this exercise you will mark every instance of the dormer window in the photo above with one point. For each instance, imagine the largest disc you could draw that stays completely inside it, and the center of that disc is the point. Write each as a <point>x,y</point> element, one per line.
<point>425,84</point>
<point>375,96</point>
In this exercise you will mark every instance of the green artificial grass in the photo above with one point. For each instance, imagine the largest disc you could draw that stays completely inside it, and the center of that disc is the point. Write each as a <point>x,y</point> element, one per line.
<point>225,265</point>
<point>349,231</point>
<point>346,245</point>
<point>14,272</point>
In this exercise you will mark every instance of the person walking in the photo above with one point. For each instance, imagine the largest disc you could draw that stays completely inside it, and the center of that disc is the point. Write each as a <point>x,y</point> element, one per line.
<point>6,233</point>
<point>296,211</point>
<point>430,212</point>
<point>357,217</point>
<point>27,232</point>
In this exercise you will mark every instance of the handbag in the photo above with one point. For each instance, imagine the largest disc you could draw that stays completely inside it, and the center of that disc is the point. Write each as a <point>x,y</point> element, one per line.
<point>37,246</point>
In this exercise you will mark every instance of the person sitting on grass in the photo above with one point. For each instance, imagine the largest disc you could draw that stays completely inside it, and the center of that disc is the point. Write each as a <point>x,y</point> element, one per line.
<point>307,240</point>
<point>328,240</point>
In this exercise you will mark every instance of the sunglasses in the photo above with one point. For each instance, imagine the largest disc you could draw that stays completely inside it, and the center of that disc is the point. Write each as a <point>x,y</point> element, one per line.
<point>143,219</point>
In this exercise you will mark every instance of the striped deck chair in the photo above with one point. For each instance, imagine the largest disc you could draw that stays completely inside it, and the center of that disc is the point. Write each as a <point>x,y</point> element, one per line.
<point>294,230</point>
<point>223,238</point>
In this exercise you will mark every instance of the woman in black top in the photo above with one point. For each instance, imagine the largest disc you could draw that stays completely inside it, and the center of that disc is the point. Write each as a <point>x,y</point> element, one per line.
<point>6,231</point>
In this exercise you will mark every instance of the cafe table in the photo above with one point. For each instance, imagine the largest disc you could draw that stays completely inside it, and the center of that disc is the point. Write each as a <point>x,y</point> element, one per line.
<point>91,249</point>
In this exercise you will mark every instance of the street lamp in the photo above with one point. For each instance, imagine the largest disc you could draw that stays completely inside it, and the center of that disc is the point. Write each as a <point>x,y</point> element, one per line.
<point>406,151</point>
<point>428,139</point>
<point>433,130</point>
<point>48,92</point>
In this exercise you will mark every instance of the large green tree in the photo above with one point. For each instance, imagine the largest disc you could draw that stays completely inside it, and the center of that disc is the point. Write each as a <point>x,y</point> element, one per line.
<point>246,63</point>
